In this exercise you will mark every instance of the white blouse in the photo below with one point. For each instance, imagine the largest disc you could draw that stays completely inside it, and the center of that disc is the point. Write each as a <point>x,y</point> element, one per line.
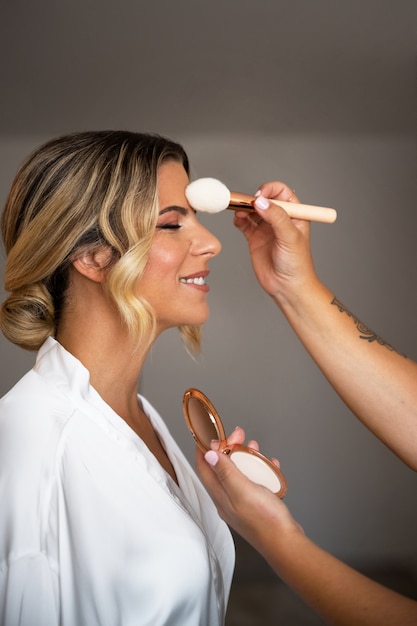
<point>93,532</point>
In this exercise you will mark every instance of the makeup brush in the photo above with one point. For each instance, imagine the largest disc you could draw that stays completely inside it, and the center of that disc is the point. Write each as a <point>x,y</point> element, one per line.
<point>212,196</point>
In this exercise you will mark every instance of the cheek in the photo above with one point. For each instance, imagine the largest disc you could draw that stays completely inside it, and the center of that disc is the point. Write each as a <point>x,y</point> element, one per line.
<point>162,262</point>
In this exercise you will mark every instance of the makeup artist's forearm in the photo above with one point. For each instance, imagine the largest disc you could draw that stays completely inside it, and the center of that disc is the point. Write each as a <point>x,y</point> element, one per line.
<point>339,594</point>
<point>378,384</point>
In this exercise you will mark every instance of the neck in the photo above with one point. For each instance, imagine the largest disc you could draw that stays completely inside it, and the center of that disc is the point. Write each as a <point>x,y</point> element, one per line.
<point>90,329</point>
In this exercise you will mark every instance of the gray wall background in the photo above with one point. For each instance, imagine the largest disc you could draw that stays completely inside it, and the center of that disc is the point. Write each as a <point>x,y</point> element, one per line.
<point>351,495</point>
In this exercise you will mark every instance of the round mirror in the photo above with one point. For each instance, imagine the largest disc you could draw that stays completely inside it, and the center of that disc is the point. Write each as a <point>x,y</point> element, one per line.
<point>202,423</point>
<point>206,427</point>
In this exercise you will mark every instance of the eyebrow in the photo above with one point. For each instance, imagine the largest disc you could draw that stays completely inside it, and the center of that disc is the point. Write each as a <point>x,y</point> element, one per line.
<point>178,209</point>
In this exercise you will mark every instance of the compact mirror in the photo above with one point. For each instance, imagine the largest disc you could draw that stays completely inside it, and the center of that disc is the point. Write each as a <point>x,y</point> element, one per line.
<point>206,426</point>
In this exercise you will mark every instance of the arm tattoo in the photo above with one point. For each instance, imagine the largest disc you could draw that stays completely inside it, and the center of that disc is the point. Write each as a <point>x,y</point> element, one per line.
<point>365,333</point>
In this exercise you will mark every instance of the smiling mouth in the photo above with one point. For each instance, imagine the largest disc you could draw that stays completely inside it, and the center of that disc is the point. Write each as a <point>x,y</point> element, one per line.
<point>199,280</point>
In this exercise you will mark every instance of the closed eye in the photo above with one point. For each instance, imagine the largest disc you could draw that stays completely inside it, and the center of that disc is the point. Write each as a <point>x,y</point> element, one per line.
<point>175,211</point>
<point>168,226</point>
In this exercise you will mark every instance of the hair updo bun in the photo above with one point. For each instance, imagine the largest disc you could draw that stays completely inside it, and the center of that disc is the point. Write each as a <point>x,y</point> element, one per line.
<point>27,317</point>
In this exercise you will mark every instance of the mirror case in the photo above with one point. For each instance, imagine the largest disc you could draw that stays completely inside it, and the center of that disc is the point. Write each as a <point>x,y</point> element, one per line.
<point>206,427</point>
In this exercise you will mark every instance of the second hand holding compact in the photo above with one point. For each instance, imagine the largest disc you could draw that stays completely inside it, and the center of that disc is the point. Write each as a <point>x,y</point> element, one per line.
<point>206,426</point>
<point>212,196</point>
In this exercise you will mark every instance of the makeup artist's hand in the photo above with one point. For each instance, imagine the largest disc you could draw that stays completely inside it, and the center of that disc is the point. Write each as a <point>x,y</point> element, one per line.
<point>340,595</point>
<point>348,355</point>
<point>247,507</point>
<point>279,246</point>
<point>238,437</point>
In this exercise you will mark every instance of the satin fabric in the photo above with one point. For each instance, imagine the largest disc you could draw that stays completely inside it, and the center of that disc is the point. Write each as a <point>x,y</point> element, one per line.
<point>93,532</point>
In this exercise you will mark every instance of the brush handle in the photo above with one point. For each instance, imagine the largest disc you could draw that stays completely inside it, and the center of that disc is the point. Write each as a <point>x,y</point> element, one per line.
<point>244,202</point>
<point>308,211</point>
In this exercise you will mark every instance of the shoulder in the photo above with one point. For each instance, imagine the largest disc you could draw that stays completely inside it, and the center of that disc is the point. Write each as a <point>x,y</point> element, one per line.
<point>32,420</point>
<point>42,400</point>
<point>32,400</point>
<point>33,416</point>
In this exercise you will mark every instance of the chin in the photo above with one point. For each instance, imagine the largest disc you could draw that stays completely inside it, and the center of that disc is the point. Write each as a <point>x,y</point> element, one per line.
<point>197,318</point>
<point>201,320</point>
<point>193,317</point>
<point>194,322</point>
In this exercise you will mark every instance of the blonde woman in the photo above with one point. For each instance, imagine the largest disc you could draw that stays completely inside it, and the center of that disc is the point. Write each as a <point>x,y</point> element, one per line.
<point>102,521</point>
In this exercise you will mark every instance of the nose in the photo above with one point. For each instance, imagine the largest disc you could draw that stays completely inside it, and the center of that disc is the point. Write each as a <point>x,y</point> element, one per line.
<point>205,242</point>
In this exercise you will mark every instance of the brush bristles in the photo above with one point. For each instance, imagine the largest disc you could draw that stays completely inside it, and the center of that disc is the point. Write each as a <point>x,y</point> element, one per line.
<point>208,195</point>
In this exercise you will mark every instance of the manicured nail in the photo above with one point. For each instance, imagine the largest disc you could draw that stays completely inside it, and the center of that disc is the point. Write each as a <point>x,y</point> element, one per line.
<point>211,457</point>
<point>258,193</point>
<point>261,203</point>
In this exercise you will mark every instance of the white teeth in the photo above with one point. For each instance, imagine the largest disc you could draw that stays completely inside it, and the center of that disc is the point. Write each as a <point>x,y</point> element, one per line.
<point>196,281</point>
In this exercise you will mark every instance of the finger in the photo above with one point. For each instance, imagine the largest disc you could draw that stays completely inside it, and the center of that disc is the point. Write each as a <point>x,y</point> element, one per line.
<point>230,478</point>
<point>236,489</point>
<point>278,191</point>
<point>282,224</point>
<point>253,444</point>
<point>236,437</point>
<point>245,223</point>
<point>213,468</point>
<point>273,214</point>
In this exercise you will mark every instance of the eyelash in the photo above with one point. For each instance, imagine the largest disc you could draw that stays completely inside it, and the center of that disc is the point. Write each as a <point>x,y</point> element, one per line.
<point>169,226</point>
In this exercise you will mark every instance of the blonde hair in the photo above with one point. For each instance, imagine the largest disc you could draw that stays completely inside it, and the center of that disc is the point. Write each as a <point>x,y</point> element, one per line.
<point>79,191</point>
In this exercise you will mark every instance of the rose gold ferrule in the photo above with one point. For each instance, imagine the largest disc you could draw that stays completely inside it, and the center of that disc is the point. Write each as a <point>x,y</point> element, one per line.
<point>241,201</point>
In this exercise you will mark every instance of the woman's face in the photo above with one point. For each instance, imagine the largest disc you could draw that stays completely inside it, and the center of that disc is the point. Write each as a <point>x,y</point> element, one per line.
<point>174,280</point>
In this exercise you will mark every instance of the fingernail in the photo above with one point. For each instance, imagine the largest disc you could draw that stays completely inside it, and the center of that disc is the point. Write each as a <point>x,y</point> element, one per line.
<point>261,203</point>
<point>258,193</point>
<point>211,457</point>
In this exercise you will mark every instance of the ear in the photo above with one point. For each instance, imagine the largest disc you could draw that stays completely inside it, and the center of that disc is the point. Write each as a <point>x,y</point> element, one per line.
<point>94,264</point>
